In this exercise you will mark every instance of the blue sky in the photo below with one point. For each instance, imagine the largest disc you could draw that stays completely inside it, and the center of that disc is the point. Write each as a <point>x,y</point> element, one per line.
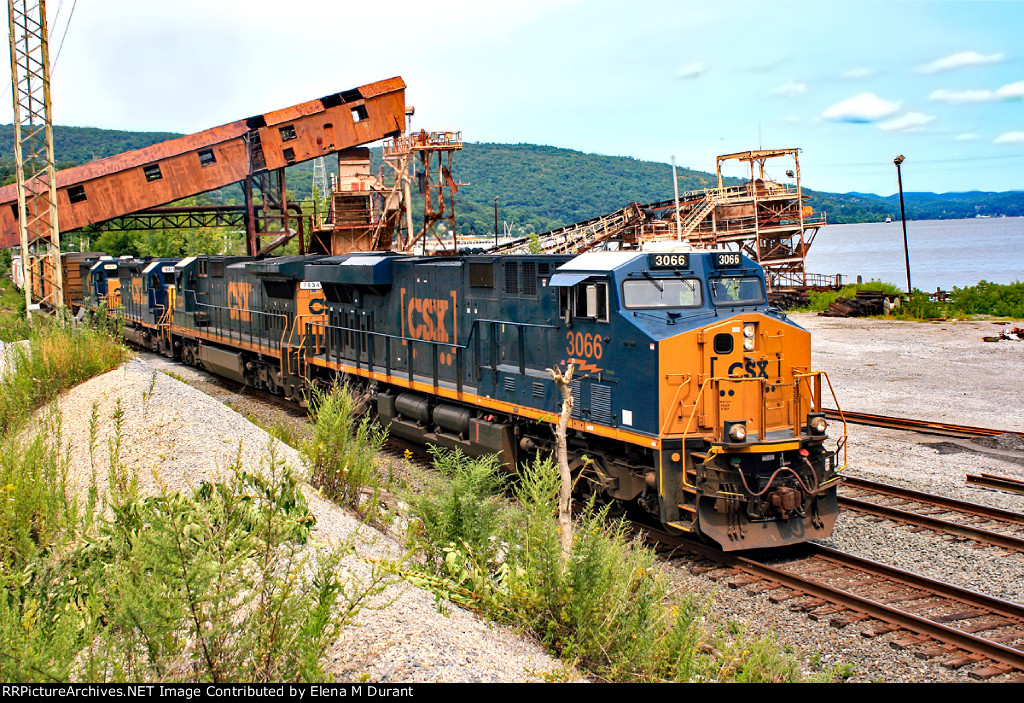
<point>851,83</point>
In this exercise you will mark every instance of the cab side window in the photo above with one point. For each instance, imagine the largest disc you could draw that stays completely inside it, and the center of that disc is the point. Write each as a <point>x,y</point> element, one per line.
<point>584,301</point>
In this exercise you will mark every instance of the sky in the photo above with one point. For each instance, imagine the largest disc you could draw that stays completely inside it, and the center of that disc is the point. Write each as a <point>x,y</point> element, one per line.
<point>852,83</point>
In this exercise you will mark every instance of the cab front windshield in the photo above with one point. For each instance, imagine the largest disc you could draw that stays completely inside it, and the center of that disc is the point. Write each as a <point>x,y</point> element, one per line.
<point>662,293</point>
<point>736,290</point>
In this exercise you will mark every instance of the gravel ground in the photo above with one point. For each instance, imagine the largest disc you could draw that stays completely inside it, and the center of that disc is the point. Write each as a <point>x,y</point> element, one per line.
<point>937,371</point>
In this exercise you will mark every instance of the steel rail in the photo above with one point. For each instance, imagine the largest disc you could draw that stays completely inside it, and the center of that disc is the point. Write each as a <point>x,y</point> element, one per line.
<point>923,426</point>
<point>1002,483</point>
<point>937,500</point>
<point>915,623</point>
<point>933,523</point>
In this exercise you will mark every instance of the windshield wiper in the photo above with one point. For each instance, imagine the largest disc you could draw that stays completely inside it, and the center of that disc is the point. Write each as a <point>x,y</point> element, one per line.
<point>649,277</point>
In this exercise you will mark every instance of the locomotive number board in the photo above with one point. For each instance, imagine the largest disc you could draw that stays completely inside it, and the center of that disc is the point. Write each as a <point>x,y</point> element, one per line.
<point>727,259</point>
<point>669,261</point>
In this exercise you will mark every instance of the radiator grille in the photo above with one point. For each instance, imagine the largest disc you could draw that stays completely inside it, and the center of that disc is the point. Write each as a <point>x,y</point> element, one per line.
<point>529,278</point>
<point>601,403</point>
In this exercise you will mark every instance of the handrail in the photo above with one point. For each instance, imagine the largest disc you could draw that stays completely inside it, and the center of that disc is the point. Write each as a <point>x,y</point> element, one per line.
<point>841,442</point>
<point>459,349</point>
<point>815,402</point>
<point>260,313</point>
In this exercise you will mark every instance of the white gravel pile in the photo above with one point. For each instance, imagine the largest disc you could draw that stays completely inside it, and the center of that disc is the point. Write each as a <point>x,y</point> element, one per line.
<point>176,436</point>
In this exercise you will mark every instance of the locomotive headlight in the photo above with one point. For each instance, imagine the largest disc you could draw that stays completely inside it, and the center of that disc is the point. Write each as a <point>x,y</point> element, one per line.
<point>748,331</point>
<point>816,423</point>
<point>748,344</point>
<point>737,431</point>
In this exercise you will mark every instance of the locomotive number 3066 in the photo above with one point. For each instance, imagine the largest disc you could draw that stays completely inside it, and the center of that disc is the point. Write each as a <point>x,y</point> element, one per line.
<point>587,345</point>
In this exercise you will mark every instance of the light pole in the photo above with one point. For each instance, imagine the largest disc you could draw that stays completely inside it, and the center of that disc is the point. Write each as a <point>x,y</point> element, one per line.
<point>495,220</point>
<point>903,217</point>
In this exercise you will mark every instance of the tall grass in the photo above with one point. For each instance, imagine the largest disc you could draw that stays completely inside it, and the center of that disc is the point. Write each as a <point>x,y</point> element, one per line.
<point>58,357</point>
<point>606,608</point>
<point>341,455</point>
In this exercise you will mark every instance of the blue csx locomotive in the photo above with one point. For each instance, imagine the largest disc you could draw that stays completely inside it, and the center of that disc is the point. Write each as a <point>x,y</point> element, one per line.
<point>693,399</point>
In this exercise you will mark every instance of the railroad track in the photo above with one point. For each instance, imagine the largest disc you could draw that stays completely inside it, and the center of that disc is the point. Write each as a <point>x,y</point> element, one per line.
<point>934,618</point>
<point>922,426</point>
<point>1001,483</point>
<point>992,526</point>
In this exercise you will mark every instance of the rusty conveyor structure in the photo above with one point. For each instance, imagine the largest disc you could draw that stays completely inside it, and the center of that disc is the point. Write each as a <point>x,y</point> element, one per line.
<point>127,191</point>
<point>766,220</point>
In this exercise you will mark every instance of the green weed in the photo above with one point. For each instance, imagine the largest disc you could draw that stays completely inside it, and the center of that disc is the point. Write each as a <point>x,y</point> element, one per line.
<point>341,453</point>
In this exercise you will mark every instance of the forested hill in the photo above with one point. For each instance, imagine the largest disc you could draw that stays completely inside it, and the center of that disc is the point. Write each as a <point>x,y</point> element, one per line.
<point>542,187</point>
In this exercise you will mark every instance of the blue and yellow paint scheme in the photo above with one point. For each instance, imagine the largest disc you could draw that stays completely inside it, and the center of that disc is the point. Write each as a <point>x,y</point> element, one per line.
<point>693,399</point>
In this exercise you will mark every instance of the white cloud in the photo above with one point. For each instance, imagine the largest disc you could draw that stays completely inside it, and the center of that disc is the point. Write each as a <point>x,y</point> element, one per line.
<point>960,60</point>
<point>858,73</point>
<point>692,70</point>
<point>866,107</point>
<point>961,97</point>
<point>907,123</point>
<point>791,89</point>
<point>1009,138</point>
<point>1010,91</point>
<point>967,137</point>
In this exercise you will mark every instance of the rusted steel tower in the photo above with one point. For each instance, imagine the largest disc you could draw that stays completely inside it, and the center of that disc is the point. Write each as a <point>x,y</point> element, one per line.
<point>36,209</point>
<point>433,153</point>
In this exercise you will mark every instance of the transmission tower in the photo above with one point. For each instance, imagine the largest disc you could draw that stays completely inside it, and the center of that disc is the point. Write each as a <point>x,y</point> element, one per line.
<point>320,178</point>
<point>33,152</point>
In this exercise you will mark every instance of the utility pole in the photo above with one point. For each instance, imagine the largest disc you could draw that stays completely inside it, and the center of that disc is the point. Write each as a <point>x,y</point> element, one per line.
<point>33,151</point>
<point>903,216</point>
<point>675,189</point>
<point>495,220</point>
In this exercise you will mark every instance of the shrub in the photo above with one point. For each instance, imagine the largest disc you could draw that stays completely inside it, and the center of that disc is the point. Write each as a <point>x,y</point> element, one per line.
<point>341,454</point>
<point>606,608</point>
<point>215,585</point>
<point>990,299</point>
<point>467,513</point>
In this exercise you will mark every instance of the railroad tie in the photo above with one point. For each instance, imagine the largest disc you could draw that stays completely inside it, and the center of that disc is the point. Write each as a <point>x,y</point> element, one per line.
<point>878,629</point>
<point>908,641</point>
<point>844,619</point>
<point>987,672</point>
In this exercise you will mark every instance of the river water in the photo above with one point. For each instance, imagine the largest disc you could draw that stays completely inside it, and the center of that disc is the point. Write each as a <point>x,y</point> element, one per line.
<point>943,253</point>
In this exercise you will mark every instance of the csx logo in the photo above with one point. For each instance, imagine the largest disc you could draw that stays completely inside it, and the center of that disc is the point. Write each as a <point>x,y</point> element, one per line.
<point>425,319</point>
<point>749,369</point>
<point>136,291</point>
<point>238,299</point>
<point>318,306</point>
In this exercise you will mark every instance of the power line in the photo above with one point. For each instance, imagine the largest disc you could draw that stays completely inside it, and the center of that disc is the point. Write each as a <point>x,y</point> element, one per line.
<point>66,27</point>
